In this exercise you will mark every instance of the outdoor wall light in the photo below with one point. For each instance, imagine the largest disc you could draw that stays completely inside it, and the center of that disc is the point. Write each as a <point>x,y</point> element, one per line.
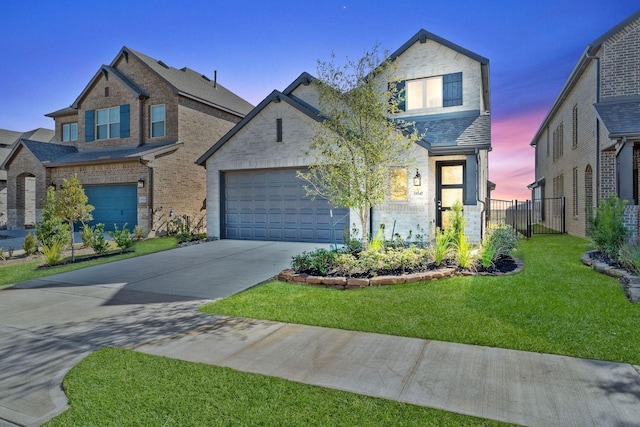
<point>417,180</point>
<point>52,185</point>
<point>171,212</point>
<point>141,183</point>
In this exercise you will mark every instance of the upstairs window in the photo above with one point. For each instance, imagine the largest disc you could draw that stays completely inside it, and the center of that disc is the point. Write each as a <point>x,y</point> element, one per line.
<point>575,126</point>
<point>431,92</point>
<point>70,132</point>
<point>558,142</point>
<point>158,121</point>
<point>278,130</point>
<point>108,123</point>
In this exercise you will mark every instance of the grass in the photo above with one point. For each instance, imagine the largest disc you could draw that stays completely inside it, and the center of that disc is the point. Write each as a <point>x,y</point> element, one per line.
<point>22,271</point>
<point>125,388</point>
<point>556,305</point>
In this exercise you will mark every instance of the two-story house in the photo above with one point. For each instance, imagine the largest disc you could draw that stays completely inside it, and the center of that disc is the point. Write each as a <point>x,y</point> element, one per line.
<point>132,136</point>
<point>8,140</point>
<point>253,191</point>
<point>588,145</point>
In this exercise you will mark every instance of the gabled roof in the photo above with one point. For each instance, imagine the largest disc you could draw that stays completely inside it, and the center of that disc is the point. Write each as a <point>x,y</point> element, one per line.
<point>51,155</point>
<point>275,97</point>
<point>10,137</point>
<point>585,59</point>
<point>108,72</point>
<point>423,35</point>
<point>192,84</point>
<point>621,116</point>
<point>184,82</point>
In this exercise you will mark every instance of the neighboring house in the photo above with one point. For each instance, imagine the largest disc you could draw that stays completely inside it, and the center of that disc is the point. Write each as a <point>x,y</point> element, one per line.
<point>253,191</point>
<point>8,140</point>
<point>132,137</point>
<point>588,145</point>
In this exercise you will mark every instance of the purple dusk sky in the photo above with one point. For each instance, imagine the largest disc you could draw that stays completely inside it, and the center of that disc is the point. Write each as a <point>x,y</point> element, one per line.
<point>49,50</point>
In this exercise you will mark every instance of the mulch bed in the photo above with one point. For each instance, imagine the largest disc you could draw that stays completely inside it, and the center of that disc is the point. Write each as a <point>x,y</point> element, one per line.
<point>505,265</point>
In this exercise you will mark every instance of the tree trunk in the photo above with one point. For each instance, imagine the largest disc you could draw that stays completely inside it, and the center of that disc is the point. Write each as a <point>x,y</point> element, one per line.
<point>364,239</point>
<point>73,253</point>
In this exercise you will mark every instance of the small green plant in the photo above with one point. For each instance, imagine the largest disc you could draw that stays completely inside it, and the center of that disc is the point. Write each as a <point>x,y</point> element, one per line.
<point>503,238</point>
<point>464,252</point>
<point>318,262</point>
<point>607,229</point>
<point>139,232</point>
<point>86,233</point>
<point>123,237</point>
<point>30,244</point>
<point>456,221</point>
<point>52,254</point>
<point>629,256</point>
<point>98,243</point>
<point>488,255</point>
<point>377,244</point>
<point>442,247</point>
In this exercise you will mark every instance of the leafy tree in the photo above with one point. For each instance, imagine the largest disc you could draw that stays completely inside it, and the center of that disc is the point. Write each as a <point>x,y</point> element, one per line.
<point>71,205</point>
<point>355,146</point>
<point>51,228</point>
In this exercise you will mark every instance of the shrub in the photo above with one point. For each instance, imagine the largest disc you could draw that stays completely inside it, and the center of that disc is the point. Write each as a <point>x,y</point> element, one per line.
<point>122,237</point>
<point>377,244</point>
<point>52,254</point>
<point>30,244</point>
<point>607,229</point>
<point>629,257</point>
<point>318,262</point>
<point>97,242</point>
<point>503,238</point>
<point>86,233</point>
<point>456,221</point>
<point>139,232</point>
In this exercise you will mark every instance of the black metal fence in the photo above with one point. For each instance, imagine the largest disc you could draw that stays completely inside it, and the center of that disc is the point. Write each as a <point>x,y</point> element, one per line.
<point>528,217</point>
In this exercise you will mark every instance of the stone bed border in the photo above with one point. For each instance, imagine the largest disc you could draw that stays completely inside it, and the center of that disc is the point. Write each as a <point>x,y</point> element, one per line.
<point>630,282</point>
<point>345,283</point>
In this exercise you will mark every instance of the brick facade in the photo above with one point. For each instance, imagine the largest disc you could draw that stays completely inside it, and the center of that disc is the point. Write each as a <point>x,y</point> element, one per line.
<point>172,180</point>
<point>616,60</point>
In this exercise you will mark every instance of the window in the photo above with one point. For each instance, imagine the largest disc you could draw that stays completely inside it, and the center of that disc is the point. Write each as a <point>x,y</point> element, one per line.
<point>424,93</point>
<point>548,144</point>
<point>108,123</point>
<point>575,126</point>
<point>158,115</point>
<point>399,186</point>
<point>575,191</point>
<point>70,132</point>
<point>278,130</point>
<point>558,142</point>
<point>106,91</point>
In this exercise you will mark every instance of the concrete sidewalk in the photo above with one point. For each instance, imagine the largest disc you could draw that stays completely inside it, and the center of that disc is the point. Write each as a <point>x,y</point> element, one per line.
<point>513,386</point>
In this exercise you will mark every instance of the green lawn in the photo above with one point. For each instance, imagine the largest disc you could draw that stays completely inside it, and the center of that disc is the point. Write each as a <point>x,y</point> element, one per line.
<point>125,388</point>
<point>20,272</point>
<point>556,305</point>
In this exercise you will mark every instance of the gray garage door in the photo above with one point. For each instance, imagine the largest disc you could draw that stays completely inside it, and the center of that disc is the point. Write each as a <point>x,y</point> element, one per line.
<point>114,204</point>
<point>272,205</point>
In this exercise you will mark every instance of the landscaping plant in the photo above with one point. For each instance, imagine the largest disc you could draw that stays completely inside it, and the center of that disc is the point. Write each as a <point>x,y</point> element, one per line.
<point>607,229</point>
<point>442,247</point>
<point>30,244</point>
<point>51,228</point>
<point>122,237</point>
<point>97,242</point>
<point>629,257</point>
<point>139,232</point>
<point>52,254</point>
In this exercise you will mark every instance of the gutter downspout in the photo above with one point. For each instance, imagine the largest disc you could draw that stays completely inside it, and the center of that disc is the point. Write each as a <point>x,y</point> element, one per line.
<point>597,125</point>
<point>484,205</point>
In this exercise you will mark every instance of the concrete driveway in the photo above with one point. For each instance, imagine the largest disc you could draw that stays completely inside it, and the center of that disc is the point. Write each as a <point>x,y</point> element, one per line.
<point>48,325</point>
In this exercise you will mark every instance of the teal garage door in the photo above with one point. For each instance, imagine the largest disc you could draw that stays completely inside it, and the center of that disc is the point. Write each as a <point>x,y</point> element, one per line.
<point>272,205</point>
<point>114,204</point>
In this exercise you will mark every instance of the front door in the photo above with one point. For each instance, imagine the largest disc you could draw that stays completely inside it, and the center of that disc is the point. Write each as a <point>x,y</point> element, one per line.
<point>450,189</point>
